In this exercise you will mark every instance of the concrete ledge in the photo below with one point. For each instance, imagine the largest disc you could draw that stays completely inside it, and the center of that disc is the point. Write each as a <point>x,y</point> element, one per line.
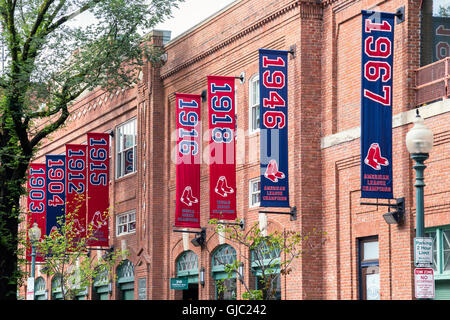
<point>398,120</point>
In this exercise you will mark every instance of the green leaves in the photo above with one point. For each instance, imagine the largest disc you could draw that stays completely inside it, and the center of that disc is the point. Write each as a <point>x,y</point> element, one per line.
<point>268,256</point>
<point>51,60</point>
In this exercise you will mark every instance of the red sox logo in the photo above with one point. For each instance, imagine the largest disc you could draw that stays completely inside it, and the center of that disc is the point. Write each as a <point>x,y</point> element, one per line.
<point>272,172</point>
<point>222,187</point>
<point>374,158</point>
<point>187,198</point>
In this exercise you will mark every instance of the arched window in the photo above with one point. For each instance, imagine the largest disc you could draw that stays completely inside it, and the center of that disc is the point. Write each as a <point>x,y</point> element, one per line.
<point>56,288</point>
<point>435,31</point>
<point>101,285</point>
<point>225,283</point>
<point>266,265</point>
<point>39,289</point>
<point>187,264</point>
<point>187,268</point>
<point>125,280</point>
<point>253,104</point>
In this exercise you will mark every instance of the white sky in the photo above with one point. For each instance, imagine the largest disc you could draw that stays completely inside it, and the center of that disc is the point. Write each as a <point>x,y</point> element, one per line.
<point>190,13</point>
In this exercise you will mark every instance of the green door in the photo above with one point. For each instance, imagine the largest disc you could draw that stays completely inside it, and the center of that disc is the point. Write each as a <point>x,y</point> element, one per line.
<point>125,281</point>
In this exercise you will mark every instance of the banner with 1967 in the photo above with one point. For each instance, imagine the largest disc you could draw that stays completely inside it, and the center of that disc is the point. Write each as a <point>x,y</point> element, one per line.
<point>376,104</point>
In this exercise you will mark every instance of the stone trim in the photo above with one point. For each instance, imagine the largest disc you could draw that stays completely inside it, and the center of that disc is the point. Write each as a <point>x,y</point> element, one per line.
<point>308,9</point>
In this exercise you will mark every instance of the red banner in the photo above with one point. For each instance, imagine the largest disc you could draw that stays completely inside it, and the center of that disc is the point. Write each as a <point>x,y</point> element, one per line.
<point>187,211</point>
<point>36,202</point>
<point>76,189</point>
<point>222,166</point>
<point>98,187</point>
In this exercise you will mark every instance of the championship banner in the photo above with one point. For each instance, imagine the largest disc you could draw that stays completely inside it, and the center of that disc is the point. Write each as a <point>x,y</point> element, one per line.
<point>98,188</point>
<point>222,153</point>
<point>76,186</point>
<point>36,203</point>
<point>441,38</point>
<point>56,192</point>
<point>376,104</point>
<point>273,128</point>
<point>187,211</point>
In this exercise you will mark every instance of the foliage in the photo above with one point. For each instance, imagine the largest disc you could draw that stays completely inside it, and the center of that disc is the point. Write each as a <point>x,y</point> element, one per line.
<point>67,256</point>
<point>272,254</point>
<point>51,61</point>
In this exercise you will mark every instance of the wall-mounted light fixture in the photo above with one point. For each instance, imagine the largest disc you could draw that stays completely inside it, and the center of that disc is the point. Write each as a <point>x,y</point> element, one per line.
<point>200,238</point>
<point>202,276</point>
<point>164,57</point>
<point>396,217</point>
<point>241,272</point>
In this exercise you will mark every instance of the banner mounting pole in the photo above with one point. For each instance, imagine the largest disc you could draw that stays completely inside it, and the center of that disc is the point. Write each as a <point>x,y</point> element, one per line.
<point>292,212</point>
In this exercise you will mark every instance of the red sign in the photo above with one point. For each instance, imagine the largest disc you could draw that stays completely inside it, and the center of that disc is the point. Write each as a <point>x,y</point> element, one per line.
<point>222,166</point>
<point>424,283</point>
<point>76,189</point>
<point>98,187</point>
<point>187,211</point>
<point>36,202</point>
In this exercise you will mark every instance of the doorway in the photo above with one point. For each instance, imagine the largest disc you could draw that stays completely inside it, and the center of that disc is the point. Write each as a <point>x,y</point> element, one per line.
<point>191,293</point>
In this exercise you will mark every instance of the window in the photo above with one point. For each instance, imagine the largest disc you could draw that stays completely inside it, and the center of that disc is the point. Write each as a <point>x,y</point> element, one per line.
<point>126,223</point>
<point>187,264</point>
<point>225,284</point>
<point>369,271</point>
<point>253,104</point>
<point>441,250</point>
<point>254,192</point>
<point>435,28</point>
<point>265,261</point>
<point>126,149</point>
<point>441,260</point>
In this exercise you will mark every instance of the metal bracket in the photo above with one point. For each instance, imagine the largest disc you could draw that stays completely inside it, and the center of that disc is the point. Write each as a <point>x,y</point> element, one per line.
<point>241,77</point>
<point>397,215</point>
<point>241,223</point>
<point>293,51</point>
<point>189,231</point>
<point>292,213</point>
<point>204,95</point>
<point>400,15</point>
<point>201,236</point>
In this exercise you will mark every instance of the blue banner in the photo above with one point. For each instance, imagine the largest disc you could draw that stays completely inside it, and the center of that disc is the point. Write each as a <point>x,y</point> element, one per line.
<point>273,82</point>
<point>376,104</point>
<point>441,38</point>
<point>56,190</point>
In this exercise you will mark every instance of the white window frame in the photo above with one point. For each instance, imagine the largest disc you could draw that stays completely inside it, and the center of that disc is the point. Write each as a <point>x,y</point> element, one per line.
<point>253,103</point>
<point>251,193</point>
<point>120,153</point>
<point>130,220</point>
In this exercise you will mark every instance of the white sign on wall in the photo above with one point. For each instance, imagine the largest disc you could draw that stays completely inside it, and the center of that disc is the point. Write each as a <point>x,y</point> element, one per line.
<point>423,251</point>
<point>30,288</point>
<point>424,283</point>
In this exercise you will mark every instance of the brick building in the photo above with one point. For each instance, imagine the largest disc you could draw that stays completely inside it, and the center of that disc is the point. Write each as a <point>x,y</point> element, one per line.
<point>361,251</point>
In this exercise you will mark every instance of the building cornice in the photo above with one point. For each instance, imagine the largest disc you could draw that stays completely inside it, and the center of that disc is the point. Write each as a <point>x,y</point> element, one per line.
<point>308,9</point>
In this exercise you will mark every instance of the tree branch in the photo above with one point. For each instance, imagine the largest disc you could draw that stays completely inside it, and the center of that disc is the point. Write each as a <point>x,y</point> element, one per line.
<point>40,17</point>
<point>52,126</point>
<point>72,15</point>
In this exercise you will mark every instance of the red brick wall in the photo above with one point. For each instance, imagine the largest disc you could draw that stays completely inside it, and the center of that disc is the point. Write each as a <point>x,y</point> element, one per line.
<point>324,102</point>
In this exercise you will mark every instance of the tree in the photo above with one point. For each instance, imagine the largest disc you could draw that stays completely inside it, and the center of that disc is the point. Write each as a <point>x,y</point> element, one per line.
<point>67,256</point>
<point>51,61</point>
<point>270,255</point>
